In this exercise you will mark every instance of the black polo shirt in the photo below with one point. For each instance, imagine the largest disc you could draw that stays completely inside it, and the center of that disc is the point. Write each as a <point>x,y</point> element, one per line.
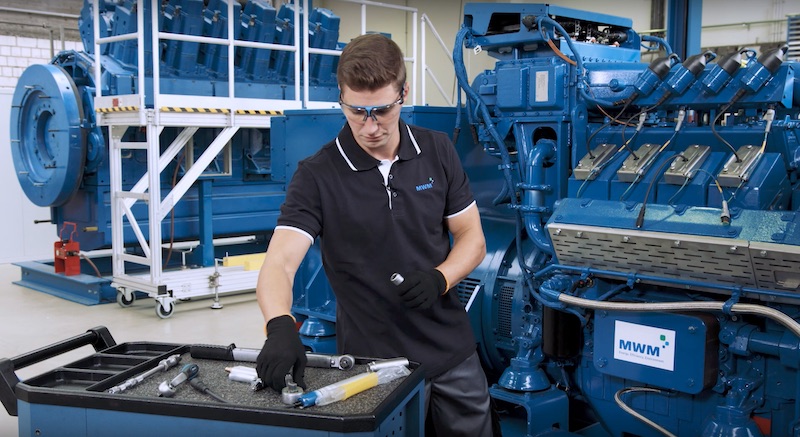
<point>367,232</point>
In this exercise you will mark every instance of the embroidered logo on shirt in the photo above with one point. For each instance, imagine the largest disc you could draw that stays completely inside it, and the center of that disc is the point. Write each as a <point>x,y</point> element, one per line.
<point>427,186</point>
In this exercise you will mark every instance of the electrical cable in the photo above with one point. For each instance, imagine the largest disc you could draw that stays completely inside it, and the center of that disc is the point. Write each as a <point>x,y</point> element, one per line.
<point>725,216</point>
<point>680,190</point>
<point>634,413</point>
<point>678,125</point>
<point>589,140</point>
<point>607,124</point>
<point>769,116</point>
<point>92,264</point>
<point>201,387</point>
<point>645,111</point>
<point>559,53</point>
<point>719,137</point>
<point>630,186</point>
<point>642,117</point>
<point>640,217</point>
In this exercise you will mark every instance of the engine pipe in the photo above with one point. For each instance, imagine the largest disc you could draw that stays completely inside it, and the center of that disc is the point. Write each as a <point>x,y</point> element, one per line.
<point>747,339</point>
<point>633,278</point>
<point>533,200</point>
<point>660,41</point>
<point>550,290</point>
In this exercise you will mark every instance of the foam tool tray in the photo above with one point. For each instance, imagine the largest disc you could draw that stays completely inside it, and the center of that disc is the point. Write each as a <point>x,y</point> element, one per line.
<point>73,400</point>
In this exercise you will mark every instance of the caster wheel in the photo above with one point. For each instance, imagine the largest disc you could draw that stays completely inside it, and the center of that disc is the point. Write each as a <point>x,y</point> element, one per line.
<point>123,302</point>
<point>164,312</point>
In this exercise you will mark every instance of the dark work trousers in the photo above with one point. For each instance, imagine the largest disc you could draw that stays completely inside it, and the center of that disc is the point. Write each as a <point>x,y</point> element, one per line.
<point>457,401</point>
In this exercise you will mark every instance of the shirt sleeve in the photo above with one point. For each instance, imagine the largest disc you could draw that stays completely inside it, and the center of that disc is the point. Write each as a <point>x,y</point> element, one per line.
<point>302,208</point>
<point>459,193</point>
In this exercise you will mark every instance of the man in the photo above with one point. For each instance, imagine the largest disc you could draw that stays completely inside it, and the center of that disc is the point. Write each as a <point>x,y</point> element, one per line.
<point>382,197</point>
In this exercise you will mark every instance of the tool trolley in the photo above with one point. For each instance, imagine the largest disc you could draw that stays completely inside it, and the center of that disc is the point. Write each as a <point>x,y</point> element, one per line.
<point>84,398</point>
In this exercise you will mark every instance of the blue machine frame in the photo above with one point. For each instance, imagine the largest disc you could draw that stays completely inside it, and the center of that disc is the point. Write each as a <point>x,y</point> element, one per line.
<point>642,220</point>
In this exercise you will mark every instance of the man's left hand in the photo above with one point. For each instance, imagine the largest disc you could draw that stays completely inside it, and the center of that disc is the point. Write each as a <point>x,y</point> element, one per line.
<point>421,289</point>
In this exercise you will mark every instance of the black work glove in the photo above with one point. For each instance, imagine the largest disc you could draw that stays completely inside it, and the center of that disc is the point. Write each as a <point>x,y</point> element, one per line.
<point>420,289</point>
<point>282,351</point>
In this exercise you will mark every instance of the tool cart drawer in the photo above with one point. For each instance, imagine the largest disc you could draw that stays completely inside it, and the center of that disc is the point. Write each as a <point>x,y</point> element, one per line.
<point>74,400</point>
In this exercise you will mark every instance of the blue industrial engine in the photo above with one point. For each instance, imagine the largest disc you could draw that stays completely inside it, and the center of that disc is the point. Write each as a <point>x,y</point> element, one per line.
<point>60,153</point>
<point>642,218</point>
<point>643,268</point>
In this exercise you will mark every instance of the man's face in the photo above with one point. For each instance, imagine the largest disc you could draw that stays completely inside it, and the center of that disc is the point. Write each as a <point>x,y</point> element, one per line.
<point>373,117</point>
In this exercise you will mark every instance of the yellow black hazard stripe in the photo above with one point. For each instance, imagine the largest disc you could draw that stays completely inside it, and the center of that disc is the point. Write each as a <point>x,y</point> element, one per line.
<point>195,110</point>
<point>118,109</point>
<point>258,112</point>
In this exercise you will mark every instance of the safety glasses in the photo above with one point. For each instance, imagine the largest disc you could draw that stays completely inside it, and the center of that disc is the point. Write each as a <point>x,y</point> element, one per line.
<point>373,112</point>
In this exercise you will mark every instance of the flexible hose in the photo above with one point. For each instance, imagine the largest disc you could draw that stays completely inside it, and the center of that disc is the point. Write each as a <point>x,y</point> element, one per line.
<point>741,308</point>
<point>632,412</point>
<point>662,42</point>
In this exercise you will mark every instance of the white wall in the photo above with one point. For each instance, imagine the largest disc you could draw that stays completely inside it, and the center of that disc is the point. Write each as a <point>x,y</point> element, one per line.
<point>722,22</point>
<point>20,238</point>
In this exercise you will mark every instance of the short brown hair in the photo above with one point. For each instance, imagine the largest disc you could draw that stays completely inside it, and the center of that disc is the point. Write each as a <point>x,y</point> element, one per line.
<point>370,62</point>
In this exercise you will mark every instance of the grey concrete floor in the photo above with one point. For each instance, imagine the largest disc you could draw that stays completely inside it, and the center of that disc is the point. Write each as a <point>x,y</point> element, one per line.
<point>31,319</point>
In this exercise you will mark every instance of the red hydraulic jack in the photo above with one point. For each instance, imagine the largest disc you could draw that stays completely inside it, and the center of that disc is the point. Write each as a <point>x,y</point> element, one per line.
<point>66,253</point>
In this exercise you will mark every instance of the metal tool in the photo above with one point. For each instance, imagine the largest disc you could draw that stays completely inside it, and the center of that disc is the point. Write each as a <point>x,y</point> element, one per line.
<point>341,362</point>
<point>162,366</point>
<point>397,278</point>
<point>374,366</point>
<point>247,375</point>
<point>168,389</point>
<point>224,353</point>
<point>292,392</point>
<point>233,353</point>
<point>241,373</point>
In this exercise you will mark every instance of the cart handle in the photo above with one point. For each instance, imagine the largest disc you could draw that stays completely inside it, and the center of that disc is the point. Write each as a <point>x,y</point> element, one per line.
<point>71,234</point>
<point>99,337</point>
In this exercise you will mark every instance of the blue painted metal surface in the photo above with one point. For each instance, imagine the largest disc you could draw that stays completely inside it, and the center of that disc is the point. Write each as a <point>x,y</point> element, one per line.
<point>565,114</point>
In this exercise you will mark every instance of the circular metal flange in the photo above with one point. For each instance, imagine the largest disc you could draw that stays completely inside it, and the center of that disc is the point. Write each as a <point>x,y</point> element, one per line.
<point>48,145</point>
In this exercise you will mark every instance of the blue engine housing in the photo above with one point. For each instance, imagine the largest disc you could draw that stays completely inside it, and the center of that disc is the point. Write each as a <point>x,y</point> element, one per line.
<point>648,279</point>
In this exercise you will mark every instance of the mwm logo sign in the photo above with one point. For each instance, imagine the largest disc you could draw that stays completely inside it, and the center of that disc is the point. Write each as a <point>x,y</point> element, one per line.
<point>646,345</point>
<point>639,348</point>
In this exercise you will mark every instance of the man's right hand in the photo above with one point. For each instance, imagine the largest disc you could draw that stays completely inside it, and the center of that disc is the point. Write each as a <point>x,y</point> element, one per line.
<point>281,353</point>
